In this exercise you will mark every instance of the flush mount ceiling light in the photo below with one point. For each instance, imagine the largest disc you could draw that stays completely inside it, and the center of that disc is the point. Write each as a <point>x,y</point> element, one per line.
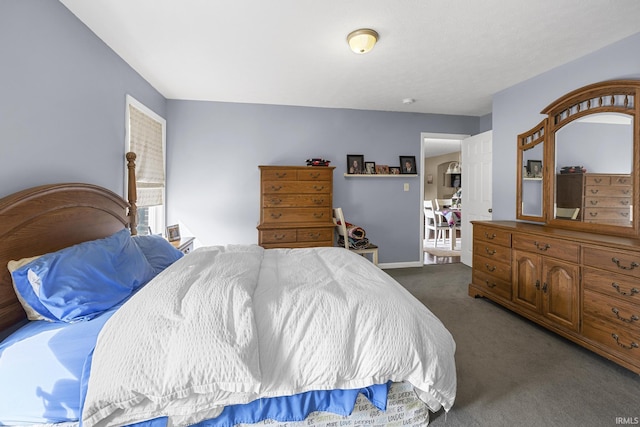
<point>454,168</point>
<point>362,40</point>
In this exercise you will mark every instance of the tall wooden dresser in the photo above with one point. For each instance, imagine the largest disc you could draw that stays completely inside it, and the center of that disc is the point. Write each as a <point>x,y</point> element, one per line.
<point>296,206</point>
<point>602,198</point>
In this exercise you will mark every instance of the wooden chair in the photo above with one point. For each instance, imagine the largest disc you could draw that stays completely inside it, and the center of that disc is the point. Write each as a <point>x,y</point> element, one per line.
<point>443,203</point>
<point>567,213</point>
<point>435,222</point>
<point>341,230</point>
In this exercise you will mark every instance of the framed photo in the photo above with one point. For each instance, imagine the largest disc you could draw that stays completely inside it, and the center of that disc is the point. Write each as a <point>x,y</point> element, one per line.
<point>355,163</point>
<point>173,232</point>
<point>382,169</point>
<point>429,179</point>
<point>394,170</point>
<point>370,168</point>
<point>534,168</point>
<point>408,164</point>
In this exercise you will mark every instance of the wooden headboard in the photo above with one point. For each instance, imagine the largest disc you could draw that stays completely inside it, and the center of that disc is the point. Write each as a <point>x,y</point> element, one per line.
<point>48,218</point>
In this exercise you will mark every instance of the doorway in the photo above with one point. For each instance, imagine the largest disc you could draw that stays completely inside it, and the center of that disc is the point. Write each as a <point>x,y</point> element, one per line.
<point>440,154</point>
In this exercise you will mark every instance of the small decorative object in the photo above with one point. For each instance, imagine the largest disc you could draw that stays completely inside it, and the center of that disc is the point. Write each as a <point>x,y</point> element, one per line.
<point>573,169</point>
<point>534,168</point>
<point>370,168</point>
<point>429,179</point>
<point>355,163</point>
<point>317,162</point>
<point>394,170</point>
<point>408,164</point>
<point>173,232</point>
<point>382,169</point>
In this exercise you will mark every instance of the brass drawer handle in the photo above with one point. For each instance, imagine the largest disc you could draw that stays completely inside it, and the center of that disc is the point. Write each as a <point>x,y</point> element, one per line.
<point>630,293</point>
<point>624,202</point>
<point>626,191</point>
<point>542,247</point>
<point>493,236</point>
<point>594,191</point>
<point>314,175</point>
<point>593,214</point>
<point>628,347</point>
<point>489,251</point>
<point>278,236</point>
<point>633,318</point>
<point>276,188</point>
<point>281,174</point>
<point>490,285</point>
<point>318,187</point>
<point>624,214</point>
<point>621,180</point>
<point>490,267</point>
<point>318,215</point>
<point>631,267</point>
<point>314,236</point>
<point>593,202</point>
<point>276,215</point>
<point>276,201</point>
<point>318,201</point>
<point>597,180</point>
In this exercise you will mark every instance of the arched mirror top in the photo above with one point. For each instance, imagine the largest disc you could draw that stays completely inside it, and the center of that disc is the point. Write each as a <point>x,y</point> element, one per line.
<point>591,171</point>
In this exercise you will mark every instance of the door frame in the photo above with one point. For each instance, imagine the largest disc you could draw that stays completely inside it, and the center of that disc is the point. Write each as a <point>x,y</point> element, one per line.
<point>423,137</point>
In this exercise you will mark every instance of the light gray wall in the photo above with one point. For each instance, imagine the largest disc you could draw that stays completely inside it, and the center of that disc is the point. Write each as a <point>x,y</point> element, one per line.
<point>62,100</point>
<point>517,109</point>
<point>215,149</point>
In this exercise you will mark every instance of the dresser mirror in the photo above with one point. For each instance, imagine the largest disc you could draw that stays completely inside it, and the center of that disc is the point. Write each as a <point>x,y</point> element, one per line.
<point>589,144</point>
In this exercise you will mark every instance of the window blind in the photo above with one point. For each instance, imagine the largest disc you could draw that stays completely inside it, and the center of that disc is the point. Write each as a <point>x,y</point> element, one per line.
<point>146,141</point>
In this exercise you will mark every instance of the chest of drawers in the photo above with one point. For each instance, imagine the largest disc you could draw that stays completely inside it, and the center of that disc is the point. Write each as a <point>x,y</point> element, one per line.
<point>296,205</point>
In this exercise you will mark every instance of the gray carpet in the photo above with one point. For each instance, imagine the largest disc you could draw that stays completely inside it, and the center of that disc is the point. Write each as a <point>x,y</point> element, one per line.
<point>512,372</point>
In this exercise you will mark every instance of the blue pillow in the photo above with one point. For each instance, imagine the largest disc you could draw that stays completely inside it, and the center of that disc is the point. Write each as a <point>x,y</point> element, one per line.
<point>158,251</point>
<point>84,280</point>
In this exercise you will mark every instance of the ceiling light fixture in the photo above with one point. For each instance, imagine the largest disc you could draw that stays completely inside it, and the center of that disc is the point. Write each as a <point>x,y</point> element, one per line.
<point>362,40</point>
<point>408,101</point>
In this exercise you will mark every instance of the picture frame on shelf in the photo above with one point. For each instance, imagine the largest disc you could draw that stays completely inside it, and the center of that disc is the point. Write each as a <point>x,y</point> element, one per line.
<point>370,168</point>
<point>394,170</point>
<point>534,168</point>
<point>408,165</point>
<point>355,164</point>
<point>173,232</point>
<point>382,169</point>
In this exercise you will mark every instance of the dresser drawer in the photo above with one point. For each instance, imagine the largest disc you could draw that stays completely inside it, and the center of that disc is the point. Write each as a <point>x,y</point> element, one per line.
<point>293,187</point>
<point>560,249</point>
<point>315,174</point>
<point>616,285</point>
<point>278,236</point>
<point>619,341</point>
<point>609,191</point>
<point>607,214</point>
<point>269,174</point>
<point>623,314</point>
<point>315,234</point>
<point>489,234</point>
<point>497,269</point>
<point>492,251</point>
<point>492,284</point>
<point>617,261</point>
<point>296,200</point>
<point>607,202</point>
<point>293,215</point>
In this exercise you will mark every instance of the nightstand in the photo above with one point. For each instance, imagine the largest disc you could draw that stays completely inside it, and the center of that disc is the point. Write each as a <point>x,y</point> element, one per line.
<point>184,245</point>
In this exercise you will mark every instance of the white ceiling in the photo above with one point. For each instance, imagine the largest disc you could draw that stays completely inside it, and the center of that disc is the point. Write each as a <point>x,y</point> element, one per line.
<point>450,56</point>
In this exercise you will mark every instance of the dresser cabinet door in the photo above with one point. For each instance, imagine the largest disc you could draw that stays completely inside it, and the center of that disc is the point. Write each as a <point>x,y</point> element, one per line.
<point>560,292</point>
<point>526,280</point>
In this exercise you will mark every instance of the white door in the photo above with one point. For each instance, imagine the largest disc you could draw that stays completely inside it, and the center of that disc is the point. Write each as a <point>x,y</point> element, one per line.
<point>476,187</point>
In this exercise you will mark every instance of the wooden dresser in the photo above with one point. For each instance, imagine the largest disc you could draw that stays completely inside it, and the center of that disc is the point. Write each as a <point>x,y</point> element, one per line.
<point>602,198</point>
<point>583,286</point>
<point>296,206</point>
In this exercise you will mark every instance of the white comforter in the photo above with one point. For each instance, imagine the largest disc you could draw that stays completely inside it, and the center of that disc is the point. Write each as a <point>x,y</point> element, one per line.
<point>228,325</point>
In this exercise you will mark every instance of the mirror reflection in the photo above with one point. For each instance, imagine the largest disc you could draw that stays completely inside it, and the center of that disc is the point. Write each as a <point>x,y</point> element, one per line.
<point>594,165</point>
<point>532,181</point>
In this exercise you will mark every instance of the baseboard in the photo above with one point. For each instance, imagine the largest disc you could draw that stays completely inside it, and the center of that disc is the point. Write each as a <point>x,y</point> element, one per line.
<point>390,265</point>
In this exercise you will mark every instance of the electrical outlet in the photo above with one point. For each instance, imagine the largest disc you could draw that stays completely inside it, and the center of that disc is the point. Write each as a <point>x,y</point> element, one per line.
<point>406,186</point>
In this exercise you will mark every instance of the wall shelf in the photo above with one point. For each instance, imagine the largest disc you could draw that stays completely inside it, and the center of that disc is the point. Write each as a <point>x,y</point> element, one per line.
<point>373,175</point>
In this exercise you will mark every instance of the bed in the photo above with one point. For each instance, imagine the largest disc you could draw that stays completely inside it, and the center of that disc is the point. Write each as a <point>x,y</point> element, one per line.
<point>226,335</point>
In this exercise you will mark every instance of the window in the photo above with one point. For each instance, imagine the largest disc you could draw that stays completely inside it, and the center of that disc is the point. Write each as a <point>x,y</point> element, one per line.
<point>146,137</point>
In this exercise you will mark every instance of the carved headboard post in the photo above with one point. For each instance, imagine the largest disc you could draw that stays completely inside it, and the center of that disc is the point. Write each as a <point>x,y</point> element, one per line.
<point>132,195</point>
